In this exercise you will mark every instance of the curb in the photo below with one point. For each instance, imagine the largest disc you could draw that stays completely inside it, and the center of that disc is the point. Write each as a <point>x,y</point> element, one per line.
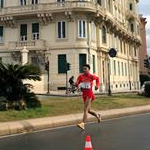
<point>76,95</point>
<point>25,126</point>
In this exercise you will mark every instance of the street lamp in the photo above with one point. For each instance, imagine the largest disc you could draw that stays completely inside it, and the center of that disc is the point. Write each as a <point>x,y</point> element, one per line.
<point>112,53</point>
<point>67,67</point>
<point>47,69</point>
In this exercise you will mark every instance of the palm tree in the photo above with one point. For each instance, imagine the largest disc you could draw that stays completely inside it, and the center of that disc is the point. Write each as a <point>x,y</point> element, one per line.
<point>12,87</point>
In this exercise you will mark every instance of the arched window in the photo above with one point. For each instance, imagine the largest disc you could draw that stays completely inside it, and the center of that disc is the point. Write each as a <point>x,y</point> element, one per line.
<point>99,2</point>
<point>103,34</point>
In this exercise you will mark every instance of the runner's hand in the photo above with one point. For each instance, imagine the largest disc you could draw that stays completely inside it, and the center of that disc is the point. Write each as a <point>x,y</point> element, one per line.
<point>96,88</point>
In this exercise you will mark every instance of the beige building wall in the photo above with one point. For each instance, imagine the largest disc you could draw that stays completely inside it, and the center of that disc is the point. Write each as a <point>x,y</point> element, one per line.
<point>115,16</point>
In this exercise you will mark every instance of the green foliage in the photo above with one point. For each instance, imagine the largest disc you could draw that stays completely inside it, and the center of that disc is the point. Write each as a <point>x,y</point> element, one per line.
<point>12,87</point>
<point>3,104</point>
<point>31,100</point>
<point>147,89</point>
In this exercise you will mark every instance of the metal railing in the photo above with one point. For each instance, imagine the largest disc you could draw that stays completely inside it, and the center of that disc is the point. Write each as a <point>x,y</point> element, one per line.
<point>37,44</point>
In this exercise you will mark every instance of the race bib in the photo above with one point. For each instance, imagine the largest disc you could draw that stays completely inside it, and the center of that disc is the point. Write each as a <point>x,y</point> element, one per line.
<point>85,85</point>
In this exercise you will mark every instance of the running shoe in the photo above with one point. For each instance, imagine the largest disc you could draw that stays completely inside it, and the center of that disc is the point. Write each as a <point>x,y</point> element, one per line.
<point>81,126</point>
<point>99,118</point>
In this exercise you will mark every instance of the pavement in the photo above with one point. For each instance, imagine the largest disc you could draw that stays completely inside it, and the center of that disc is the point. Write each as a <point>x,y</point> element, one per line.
<point>30,125</point>
<point>123,133</point>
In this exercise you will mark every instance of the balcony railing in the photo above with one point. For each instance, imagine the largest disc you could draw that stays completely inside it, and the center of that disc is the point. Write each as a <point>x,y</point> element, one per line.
<point>31,45</point>
<point>47,7</point>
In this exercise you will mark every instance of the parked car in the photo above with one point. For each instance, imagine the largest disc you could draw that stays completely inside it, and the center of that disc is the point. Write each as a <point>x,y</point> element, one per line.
<point>142,90</point>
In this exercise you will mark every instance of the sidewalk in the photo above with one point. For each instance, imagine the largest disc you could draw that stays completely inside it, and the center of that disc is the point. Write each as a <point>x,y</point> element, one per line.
<point>25,126</point>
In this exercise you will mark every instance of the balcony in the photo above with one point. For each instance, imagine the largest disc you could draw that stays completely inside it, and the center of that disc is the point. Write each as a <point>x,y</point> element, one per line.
<point>31,45</point>
<point>48,7</point>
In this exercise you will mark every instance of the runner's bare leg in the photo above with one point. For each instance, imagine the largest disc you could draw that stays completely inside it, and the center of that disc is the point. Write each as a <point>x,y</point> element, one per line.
<point>87,106</point>
<point>93,113</point>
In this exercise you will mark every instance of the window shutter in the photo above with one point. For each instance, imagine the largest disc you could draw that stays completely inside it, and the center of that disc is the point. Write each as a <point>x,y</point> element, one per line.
<point>1,31</point>
<point>59,29</point>
<point>62,63</point>
<point>35,28</point>
<point>23,29</point>
<point>82,61</point>
<point>1,3</point>
<point>63,30</point>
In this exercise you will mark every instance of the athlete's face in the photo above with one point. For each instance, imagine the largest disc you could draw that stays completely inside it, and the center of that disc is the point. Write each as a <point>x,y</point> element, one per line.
<point>85,70</point>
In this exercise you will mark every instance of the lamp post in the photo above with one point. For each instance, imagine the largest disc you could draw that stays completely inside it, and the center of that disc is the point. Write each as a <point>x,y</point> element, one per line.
<point>112,53</point>
<point>47,70</point>
<point>68,67</point>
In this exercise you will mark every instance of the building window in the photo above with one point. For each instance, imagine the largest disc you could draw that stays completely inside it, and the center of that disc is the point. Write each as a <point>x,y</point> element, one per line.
<point>0,59</point>
<point>132,27</point>
<point>130,50</point>
<point>109,5</point>
<point>61,29</point>
<point>81,29</point>
<point>130,69</point>
<point>60,1</point>
<point>131,6</point>
<point>103,34</point>
<point>114,67</point>
<point>125,69</point>
<point>23,32</point>
<point>118,68</point>
<point>82,61</point>
<point>62,63</point>
<point>35,31</point>
<point>34,2</point>
<point>93,57</point>
<point>121,46</point>
<point>135,53</point>
<point>23,2</point>
<point>93,31</point>
<point>124,48</point>
<point>122,68</point>
<point>34,60</point>
<point>1,34</point>
<point>1,3</point>
<point>99,2</point>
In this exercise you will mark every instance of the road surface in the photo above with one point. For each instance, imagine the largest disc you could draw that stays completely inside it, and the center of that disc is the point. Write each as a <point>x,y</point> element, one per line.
<point>129,133</point>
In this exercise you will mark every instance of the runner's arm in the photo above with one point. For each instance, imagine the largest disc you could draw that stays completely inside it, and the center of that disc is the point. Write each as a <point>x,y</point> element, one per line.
<point>97,81</point>
<point>78,81</point>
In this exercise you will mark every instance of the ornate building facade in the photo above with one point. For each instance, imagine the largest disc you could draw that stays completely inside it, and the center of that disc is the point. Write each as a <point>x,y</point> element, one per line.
<point>76,31</point>
<point>143,50</point>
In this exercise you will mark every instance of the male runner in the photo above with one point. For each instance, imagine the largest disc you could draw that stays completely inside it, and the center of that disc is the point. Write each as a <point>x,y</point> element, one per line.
<point>85,82</point>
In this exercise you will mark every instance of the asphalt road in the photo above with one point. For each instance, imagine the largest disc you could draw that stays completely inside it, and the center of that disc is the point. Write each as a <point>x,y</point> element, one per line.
<point>130,133</point>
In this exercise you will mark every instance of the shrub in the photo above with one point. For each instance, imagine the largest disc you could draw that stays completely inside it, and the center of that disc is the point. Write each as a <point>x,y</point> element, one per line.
<point>12,88</point>
<point>31,100</point>
<point>3,104</point>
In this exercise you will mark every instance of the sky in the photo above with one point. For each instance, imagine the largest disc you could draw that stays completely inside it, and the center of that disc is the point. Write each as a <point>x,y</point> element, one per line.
<point>144,8</point>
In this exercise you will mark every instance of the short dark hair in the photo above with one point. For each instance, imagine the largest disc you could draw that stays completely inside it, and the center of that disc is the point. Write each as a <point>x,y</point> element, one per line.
<point>87,65</point>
